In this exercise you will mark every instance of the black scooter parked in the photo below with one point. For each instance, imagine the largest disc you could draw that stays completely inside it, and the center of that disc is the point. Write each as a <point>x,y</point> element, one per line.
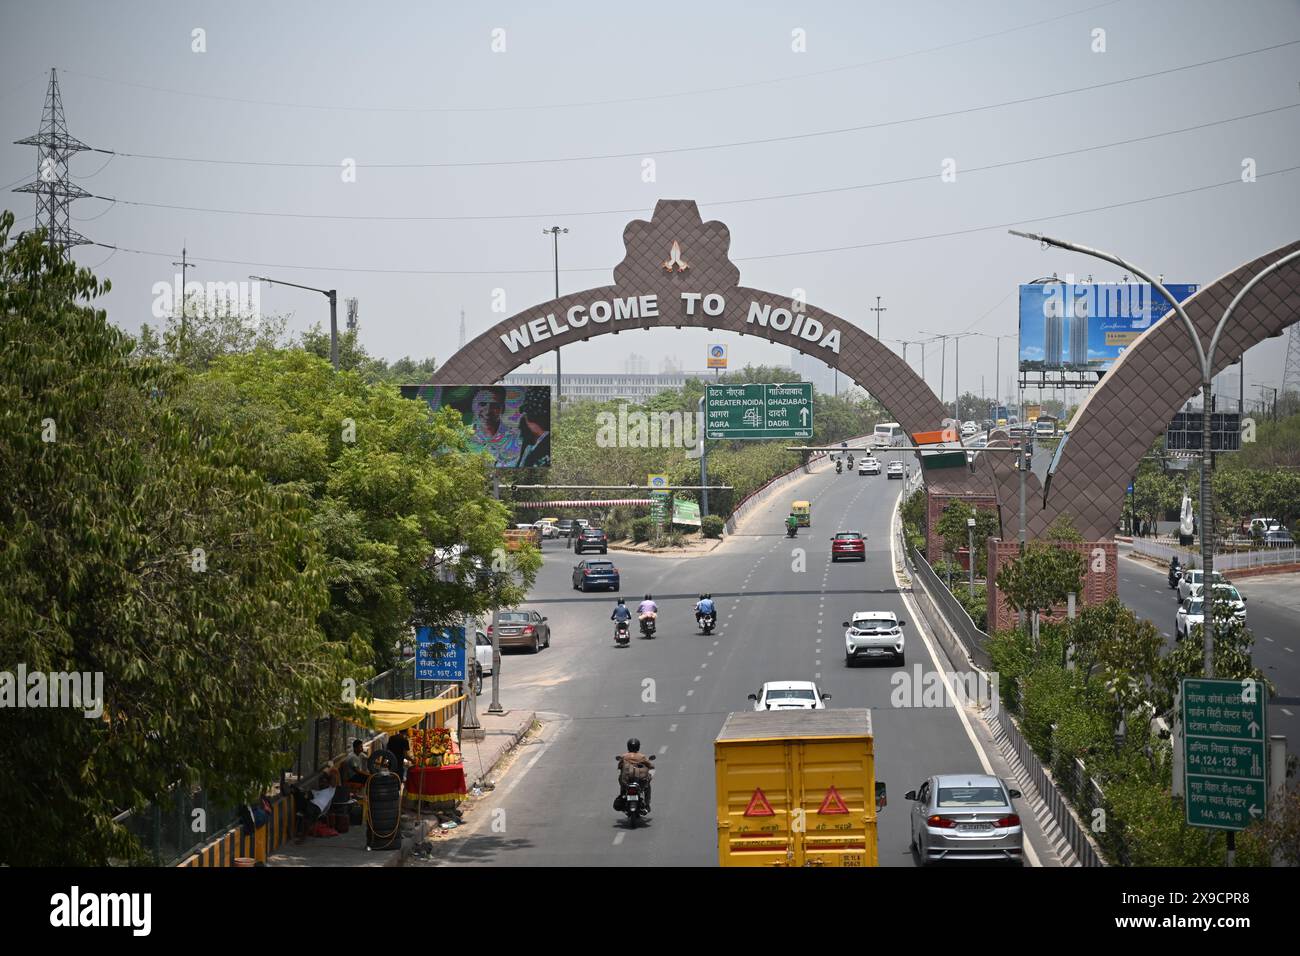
<point>1175,573</point>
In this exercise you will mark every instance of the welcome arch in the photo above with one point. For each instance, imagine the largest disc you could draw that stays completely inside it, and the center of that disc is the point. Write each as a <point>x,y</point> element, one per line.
<point>677,273</point>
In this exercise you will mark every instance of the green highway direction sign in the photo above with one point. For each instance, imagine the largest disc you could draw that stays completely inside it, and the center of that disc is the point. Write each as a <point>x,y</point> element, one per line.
<point>1225,752</point>
<point>758,411</point>
<point>659,504</point>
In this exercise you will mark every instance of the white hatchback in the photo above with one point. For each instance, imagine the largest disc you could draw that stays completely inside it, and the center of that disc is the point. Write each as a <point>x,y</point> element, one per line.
<point>789,695</point>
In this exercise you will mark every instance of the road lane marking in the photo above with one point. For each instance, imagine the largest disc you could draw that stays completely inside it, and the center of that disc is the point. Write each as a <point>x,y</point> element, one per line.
<point>698,676</point>
<point>690,693</point>
<point>672,728</point>
<point>1287,712</point>
<point>702,666</point>
<point>682,709</point>
<point>663,750</point>
<point>618,837</point>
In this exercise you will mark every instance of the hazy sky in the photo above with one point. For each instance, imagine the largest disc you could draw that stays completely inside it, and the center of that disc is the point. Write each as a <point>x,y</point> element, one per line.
<point>289,91</point>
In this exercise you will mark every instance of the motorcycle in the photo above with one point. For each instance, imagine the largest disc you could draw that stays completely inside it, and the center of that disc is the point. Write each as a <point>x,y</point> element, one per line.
<point>631,800</point>
<point>622,637</point>
<point>839,466</point>
<point>850,462</point>
<point>791,530</point>
<point>706,622</point>
<point>1175,575</point>
<point>648,627</point>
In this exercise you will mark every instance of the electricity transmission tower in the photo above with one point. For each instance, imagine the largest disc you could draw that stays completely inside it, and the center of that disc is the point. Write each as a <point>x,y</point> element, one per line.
<point>1291,373</point>
<point>52,188</point>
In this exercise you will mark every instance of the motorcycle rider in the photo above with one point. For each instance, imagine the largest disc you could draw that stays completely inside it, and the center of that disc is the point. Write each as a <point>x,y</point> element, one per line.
<point>635,765</point>
<point>621,614</point>
<point>792,524</point>
<point>703,606</point>
<point>647,609</point>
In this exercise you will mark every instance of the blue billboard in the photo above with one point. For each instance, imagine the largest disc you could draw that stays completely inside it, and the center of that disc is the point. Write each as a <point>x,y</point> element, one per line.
<point>1086,327</point>
<point>440,656</point>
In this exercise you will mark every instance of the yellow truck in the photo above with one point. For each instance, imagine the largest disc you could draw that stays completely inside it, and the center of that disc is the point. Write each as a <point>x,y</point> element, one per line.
<point>797,788</point>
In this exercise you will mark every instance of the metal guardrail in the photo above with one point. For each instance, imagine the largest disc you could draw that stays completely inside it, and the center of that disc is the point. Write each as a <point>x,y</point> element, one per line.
<point>1053,799</point>
<point>972,638</point>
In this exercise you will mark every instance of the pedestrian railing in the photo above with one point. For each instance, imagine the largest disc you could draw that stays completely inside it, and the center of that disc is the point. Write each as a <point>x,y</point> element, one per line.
<point>1226,561</point>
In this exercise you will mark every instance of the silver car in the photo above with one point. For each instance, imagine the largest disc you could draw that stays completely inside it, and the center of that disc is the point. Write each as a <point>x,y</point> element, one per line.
<point>966,817</point>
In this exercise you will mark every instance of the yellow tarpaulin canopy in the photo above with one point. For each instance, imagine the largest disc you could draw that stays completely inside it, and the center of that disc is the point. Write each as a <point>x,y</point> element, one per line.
<point>390,716</point>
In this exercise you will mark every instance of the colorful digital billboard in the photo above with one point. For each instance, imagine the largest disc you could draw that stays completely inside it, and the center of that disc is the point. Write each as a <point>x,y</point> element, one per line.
<point>510,423</point>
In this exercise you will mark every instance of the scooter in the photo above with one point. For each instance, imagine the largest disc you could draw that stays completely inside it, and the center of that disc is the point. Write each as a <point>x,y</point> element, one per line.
<point>790,532</point>
<point>1175,575</point>
<point>622,635</point>
<point>631,800</point>
<point>839,466</point>
<point>707,622</point>
<point>850,462</point>
<point>648,627</point>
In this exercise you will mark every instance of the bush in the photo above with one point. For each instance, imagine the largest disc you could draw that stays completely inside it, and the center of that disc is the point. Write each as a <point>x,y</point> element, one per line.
<point>674,539</point>
<point>642,529</point>
<point>1049,692</point>
<point>711,526</point>
<point>977,607</point>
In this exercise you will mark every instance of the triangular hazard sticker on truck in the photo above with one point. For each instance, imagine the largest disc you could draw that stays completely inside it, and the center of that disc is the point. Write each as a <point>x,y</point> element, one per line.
<point>833,803</point>
<point>758,805</point>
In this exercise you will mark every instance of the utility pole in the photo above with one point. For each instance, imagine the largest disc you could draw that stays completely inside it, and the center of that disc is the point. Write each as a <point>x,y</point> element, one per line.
<point>878,309</point>
<point>185,266</point>
<point>554,233</point>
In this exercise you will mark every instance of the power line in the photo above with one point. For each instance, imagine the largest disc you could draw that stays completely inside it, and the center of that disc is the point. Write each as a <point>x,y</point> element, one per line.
<point>723,202</point>
<point>775,255</point>
<point>792,137</point>
<point>608,102</point>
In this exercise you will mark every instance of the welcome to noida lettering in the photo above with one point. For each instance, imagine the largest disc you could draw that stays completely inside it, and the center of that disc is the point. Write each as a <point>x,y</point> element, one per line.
<point>621,309</point>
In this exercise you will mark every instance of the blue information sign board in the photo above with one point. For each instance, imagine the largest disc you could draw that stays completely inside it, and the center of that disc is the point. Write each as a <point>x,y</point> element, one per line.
<point>440,656</point>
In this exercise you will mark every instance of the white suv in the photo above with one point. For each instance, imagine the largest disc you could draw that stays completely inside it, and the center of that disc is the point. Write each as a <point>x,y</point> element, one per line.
<point>869,466</point>
<point>873,634</point>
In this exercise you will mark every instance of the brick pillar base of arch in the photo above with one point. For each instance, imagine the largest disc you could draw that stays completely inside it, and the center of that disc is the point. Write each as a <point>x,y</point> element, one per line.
<point>1100,579</point>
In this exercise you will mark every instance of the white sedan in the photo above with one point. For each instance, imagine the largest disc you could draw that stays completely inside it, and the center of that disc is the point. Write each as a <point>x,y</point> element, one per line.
<point>873,635</point>
<point>789,695</point>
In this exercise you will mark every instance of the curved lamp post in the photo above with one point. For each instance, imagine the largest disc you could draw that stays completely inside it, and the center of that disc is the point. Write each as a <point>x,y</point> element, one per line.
<point>1206,358</point>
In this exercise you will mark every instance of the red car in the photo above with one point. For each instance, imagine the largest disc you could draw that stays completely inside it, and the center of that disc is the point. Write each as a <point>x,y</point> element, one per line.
<point>849,544</point>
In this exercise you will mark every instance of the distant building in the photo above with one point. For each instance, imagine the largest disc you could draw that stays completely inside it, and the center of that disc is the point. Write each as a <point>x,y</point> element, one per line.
<point>608,386</point>
<point>1053,327</point>
<point>1079,333</point>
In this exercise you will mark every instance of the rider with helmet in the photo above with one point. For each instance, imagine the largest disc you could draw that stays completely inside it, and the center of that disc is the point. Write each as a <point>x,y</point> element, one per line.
<point>647,609</point>
<point>634,765</point>
<point>703,607</point>
<point>792,524</point>
<point>621,614</point>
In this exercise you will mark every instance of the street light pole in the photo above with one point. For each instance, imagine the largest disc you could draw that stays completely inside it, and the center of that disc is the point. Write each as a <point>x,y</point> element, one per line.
<point>1206,359</point>
<point>333,296</point>
<point>554,233</point>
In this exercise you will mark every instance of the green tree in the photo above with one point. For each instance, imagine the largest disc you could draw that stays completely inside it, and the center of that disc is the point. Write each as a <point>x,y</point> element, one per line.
<point>952,527</point>
<point>400,507</point>
<point>1230,653</point>
<point>141,547</point>
<point>208,330</point>
<point>1040,579</point>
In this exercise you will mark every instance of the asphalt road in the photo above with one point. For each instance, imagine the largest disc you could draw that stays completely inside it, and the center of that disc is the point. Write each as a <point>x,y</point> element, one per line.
<point>1272,615</point>
<point>781,604</point>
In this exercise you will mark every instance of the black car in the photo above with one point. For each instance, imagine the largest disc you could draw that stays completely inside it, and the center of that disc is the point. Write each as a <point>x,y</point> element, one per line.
<point>591,539</point>
<point>595,574</point>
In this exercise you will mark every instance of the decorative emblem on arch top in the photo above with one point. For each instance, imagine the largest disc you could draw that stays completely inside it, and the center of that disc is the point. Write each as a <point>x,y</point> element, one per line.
<point>675,251</point>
